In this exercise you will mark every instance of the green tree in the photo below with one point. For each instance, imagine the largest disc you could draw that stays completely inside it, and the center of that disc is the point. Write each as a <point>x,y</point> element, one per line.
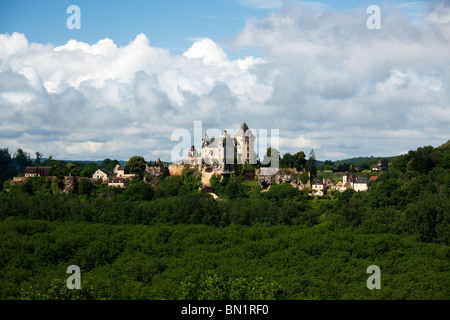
<point>37,161</point>
<point>21,159</point>
<point>6,171</point>
<point>445,161</point>
<point>85,187</point>
<point>87,172</point>
<point>109,164</point>
<point>234,190</point>
<point>49,162</point>
<point>138,190</point>
<point>421,160</point>
<point>384,164</point>
<point>299,160</point>
<point>328,165</point>
<point>72,170</point>
<point>59,170</point>
<point>287,161</point>
<point>282,191</point>
<point>312,164</point>
<point>136,164</point>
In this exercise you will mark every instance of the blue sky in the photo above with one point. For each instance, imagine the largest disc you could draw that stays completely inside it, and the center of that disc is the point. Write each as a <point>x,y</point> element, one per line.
<point>138,70</point>
<point>171,24</point>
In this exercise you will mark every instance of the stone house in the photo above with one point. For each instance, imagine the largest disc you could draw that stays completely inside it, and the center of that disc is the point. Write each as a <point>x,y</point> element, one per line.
<point>118,182</point>
<point>377,167</point>
<point>102,174</point>
<point>119,172</point>
<point>350,178</point>
<point>319,186</point>
<point>361,184</point>
<point>37,171</point>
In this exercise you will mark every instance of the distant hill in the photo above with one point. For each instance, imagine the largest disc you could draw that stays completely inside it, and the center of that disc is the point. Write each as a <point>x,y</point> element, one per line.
<point>360,160</point>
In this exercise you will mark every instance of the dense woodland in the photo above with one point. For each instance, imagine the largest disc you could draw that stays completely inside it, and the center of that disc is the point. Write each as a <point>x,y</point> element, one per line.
<point>173,242</point>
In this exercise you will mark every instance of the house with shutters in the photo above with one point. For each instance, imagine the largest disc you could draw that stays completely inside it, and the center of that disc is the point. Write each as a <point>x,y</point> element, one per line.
<point>318,187</point>
<point>102,174</point>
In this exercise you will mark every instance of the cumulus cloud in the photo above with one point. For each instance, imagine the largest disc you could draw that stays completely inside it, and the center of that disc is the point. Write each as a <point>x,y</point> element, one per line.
<point>322,78</point>
<point>92,101</point>
<point>347,88</point>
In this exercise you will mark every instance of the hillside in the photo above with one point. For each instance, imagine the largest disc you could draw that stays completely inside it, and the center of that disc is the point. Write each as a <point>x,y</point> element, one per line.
<point>360,160</point>
<point>171,241</point>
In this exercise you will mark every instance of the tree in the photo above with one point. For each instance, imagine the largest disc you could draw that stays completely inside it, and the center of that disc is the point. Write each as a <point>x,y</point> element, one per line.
<point>282,191</point>
<point>87,172</point>
<point>421,160</point>
<point>50,162</point>
<point>234,190</point>
<point>343,167</point>
<point>21,159</point>
<point>445,161</point>
<point>287,161</point>
<point>72,170</point>
<point>400,162</point>
<point>59,170</point>
<point>85,187</point>
<point>37,161</point>
<point>328,165</point>
<point>109,164</point>
<point>312,164</point>
<point>6,172</point>
<point>299,160</point>
<point>384,164</point>
<point>136,164</point>
<point>138,190</point>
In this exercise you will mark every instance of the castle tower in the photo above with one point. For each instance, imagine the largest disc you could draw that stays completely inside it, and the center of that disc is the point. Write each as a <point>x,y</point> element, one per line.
<point>245,145</point>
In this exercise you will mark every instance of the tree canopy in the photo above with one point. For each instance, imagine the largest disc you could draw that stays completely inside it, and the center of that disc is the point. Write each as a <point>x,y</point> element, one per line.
<point>135,164</point>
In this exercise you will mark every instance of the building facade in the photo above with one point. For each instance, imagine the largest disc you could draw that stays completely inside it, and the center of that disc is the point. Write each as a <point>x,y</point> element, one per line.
<point>225,150</point>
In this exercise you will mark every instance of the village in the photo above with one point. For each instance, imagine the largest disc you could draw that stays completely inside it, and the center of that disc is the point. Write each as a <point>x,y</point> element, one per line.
<point>212,160</point>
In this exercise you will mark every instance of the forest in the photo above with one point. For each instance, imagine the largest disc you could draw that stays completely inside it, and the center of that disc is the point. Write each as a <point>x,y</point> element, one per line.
<point>173,242</point>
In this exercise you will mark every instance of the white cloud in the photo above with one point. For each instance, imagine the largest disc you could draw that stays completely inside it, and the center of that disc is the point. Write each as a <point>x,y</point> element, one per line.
<point>89,101</point>
<point>324,80</point>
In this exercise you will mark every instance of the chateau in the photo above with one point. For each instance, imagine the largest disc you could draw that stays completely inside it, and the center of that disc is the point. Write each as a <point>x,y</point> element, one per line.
<point>225,150</point>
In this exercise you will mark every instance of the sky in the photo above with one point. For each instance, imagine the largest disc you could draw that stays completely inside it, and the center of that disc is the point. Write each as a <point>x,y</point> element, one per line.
<point>138,71</point>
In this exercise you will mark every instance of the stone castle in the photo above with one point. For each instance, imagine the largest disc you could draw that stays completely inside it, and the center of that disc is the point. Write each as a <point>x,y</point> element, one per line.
<point>222,152</point>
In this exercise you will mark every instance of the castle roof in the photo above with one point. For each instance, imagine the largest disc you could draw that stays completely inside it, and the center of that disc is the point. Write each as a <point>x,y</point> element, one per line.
<point>244,127</point>
<point>242,130</point>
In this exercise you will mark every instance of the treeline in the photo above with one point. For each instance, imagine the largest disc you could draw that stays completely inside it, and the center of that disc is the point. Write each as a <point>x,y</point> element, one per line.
<point>410,198</point>
<point>205,262</point>
<point>400,202</point>
<point>10,166</point>
<point>15,165</point>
